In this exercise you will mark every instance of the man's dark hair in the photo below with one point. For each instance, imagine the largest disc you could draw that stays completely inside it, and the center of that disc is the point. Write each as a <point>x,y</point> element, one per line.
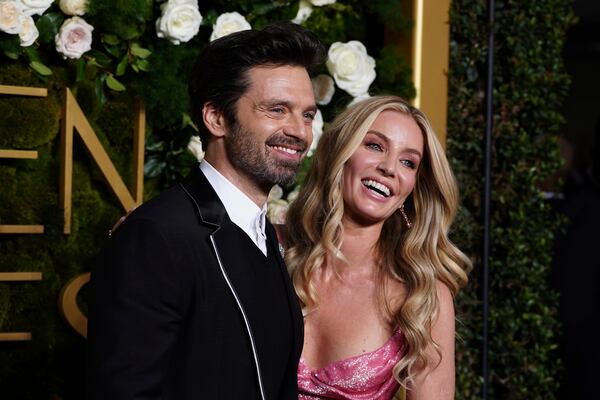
<point>220,73</point>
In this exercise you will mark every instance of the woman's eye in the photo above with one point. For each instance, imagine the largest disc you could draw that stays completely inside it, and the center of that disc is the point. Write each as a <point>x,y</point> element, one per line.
<point>374,146</point>
<point>410,164</point>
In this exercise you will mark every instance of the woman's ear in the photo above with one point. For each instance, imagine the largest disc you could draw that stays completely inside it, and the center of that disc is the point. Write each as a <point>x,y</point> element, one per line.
<point>214,120</point>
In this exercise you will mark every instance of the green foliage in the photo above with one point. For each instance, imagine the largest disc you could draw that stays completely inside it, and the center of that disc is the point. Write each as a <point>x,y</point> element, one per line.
<point>125,19</point>
<point>530,84</point>
<point>26,122</point>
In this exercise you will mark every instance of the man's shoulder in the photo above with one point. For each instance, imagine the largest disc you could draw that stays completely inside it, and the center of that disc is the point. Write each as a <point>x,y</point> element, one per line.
<point>168,211</point>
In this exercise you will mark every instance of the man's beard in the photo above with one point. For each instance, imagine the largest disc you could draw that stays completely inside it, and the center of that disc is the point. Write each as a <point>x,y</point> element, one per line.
<point>249,156</point>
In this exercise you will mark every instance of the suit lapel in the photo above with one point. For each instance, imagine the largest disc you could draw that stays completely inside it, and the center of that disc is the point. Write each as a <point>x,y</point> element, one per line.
<point>295,311</point>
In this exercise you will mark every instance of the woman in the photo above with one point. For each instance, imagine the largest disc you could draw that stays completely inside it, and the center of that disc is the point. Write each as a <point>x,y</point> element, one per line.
<point>370,259</point>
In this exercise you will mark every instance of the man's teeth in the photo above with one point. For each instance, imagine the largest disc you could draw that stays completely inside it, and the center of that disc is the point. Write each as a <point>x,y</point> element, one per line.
<point>285,149</point>
<point>378,187</point>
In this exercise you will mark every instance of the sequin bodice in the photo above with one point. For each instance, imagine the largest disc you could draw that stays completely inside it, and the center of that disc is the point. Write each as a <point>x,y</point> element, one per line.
<point>366,376</point>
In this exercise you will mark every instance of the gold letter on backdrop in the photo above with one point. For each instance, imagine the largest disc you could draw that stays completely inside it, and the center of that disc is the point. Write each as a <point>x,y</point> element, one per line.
<point>73,117</point>
<point>20,229</point>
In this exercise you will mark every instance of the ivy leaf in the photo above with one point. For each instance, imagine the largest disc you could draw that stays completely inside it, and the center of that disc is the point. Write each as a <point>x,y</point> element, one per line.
<point>122,67</point>
<point>139,51</point>
<point>48,26</point>
<point>114,84</point>
<point>40,68</point>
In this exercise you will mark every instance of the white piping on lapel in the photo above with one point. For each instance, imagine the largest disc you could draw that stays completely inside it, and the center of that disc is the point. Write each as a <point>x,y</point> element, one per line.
<point>254,352</point>
<point>235,296</point>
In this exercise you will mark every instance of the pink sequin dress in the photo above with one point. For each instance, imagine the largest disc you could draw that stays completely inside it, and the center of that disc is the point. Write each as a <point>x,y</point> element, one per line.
<point>362,377</point>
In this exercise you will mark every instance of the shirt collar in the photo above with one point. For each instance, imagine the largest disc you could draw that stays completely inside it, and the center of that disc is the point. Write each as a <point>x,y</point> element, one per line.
<point>241,209</point>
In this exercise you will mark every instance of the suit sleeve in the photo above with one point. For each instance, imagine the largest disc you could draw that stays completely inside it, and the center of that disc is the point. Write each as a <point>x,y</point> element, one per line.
<point>136,308</point>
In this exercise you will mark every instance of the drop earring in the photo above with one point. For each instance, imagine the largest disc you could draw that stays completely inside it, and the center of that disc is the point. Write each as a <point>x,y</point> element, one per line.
<point>406,220</point>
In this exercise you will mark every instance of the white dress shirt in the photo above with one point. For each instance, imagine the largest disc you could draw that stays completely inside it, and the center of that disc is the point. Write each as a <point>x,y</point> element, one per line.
<point>241,210</point>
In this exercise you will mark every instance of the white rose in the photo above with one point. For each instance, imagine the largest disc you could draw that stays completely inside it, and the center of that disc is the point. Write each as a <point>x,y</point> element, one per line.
<point>352,68</point>
<point>74,38</point>
<point>73,7</point>
<point>276,211</point>
<point>179,22</point>
<point>323,88</point>
<point>275,193</point>
<point>319,3</point>
<point>195,147</point>
<point>29,32</point>
<point>11,16</point>
<point>304,11</point>
<point>31,7</point>
<point>317,131</point>
<point>229,23</point>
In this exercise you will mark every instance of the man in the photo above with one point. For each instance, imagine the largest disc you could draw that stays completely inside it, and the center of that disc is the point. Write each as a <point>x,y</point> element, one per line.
<point>190,298</point>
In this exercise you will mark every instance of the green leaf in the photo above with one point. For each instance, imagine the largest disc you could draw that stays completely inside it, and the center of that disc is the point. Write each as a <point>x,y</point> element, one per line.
<point>101,59</point>
<point>154,167</point>
<point>32,54</point>
<point>114,84</point>
<point>80,70</point>
<point>12,55</point>
<point>100,89</point>
<point>138,51</point>
<point>111,39</point>
<point>40,68</point>
<point>144,65</point>
<point>48,26</point>
<point>186,120</point>
<point>122,67</point>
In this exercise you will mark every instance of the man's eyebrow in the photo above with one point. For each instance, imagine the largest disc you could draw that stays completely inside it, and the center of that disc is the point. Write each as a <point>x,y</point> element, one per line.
<point>385,138</point>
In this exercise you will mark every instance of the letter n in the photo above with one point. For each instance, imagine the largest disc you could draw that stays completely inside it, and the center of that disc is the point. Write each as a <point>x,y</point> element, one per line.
<point>74,119</point>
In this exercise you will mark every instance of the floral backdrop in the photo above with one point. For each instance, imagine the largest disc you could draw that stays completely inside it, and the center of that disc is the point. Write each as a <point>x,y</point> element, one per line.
<point>110,53</point>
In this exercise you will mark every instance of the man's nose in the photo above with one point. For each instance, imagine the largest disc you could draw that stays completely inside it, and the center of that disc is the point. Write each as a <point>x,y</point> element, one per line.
<point>297,127</point>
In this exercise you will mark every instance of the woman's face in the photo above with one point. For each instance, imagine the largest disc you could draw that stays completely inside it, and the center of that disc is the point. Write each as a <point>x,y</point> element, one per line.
<point>382,171</point>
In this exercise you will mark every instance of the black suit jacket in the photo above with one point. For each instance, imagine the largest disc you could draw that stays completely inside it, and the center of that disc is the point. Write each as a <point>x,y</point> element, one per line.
<point>165,318</point>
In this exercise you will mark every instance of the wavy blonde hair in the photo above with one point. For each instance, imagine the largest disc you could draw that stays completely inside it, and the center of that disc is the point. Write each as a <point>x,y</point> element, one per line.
<point>417,257</point>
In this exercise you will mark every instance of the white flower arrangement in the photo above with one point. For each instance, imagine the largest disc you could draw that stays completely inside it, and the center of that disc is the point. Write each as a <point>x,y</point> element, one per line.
<point>323,88</point>
<point>74,38</point>
<point>228,23</point>
<point>11,16</point>
<point>195,147</point>
<point>351,67</point>
<point>179,21</point>
<point>73,7</point>
<point>305,9</point>
<point>29,32</point>
<point>32,7</point>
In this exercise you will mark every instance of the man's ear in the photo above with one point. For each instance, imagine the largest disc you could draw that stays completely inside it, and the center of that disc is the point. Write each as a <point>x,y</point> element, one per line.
<point>214,120</point>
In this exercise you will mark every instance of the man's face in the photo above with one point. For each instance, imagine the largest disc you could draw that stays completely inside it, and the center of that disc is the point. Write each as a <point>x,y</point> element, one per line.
<point>274,125</point>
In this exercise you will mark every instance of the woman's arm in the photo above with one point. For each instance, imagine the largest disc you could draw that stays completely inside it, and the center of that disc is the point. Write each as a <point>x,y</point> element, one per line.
<point>436,382</point>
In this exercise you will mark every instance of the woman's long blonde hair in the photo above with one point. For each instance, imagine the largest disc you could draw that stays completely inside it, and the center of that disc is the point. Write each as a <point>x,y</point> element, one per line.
<point>417,257</point>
